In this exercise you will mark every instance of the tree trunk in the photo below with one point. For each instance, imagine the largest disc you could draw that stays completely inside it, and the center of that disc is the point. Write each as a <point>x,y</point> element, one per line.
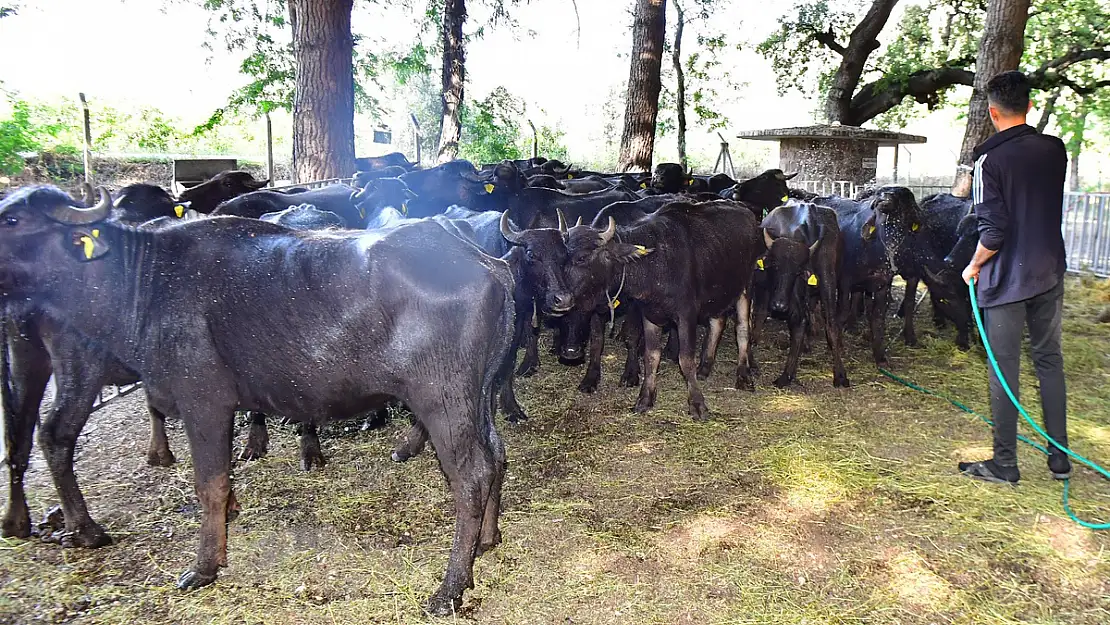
<point>324,101</point>
<point>1049,108</point>
<point>642,102</point>
<point>864,41</point>
<point>1000,50</point>
<point>680,83</point>
<point>1075,148</point>
<point>454,78</point>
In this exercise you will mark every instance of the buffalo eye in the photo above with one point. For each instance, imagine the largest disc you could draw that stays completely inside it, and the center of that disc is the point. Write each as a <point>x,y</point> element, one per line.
<point>10,220</point>
<point>529,256</point>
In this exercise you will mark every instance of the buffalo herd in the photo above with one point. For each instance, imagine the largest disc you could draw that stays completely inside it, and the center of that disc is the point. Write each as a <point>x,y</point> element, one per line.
<point>420,286</point>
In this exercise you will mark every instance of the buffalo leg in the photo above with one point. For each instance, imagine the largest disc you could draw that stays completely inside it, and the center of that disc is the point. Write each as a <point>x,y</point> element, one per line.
<point>652,337</point>
<point>797,325</point>
<point>909,302</point>
<point>411,444</point>
<point>852,310</point>
<point>490,536</point>
<point>633,341</point>
<point>258,438</point>
<point>759,304</point>
<point>78,382</point>
<point>709,347</point>
<point>939,318</point>
<point>672,347</point>
<point>528,335</point>
<point>834,333</point>
<point>472,468</point>
<point>743,340</point>
<point>687,332</point>
<point>29,368</point>
<point>878,326</point>
<point>513,411</point>
<point>310,448</point>
<point>597,346</point>
<point>210,444</point>
<point>158,454</point>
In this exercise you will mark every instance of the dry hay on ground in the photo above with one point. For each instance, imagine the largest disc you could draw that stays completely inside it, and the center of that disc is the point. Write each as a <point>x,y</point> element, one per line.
<point>808,505</point>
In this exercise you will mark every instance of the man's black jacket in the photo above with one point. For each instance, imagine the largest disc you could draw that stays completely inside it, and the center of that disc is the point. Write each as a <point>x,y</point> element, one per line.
<point>1018,192</point>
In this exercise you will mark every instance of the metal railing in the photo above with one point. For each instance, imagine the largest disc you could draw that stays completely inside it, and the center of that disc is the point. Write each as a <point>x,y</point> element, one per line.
<point>1086,230</point>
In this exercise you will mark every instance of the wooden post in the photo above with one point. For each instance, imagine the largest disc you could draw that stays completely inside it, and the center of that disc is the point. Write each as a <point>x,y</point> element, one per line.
<point>897,148</point>
<point>88,138</point>
<point>269,149</point>
<point>535,140</point>
<point>415,136</point>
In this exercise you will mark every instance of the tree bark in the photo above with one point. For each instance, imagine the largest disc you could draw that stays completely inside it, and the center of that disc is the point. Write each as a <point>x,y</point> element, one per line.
<point>878,97</point>
<point>680,83</point>
<point>454,78</point>
<point>642,102</point>
<point>1000,50</point>
<point>864,41</point>
<point>324,101</point>
<point>1075,148</point>
<point>1049,108</point>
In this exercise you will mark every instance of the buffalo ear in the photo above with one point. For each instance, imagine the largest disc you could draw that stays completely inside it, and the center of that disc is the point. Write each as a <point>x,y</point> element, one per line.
<point>625,253</point>
<point>257,184</point>
<point>88,244</point>
<point>869,229</point>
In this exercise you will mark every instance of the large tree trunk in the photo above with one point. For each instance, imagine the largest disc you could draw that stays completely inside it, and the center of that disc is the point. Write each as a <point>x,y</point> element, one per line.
<point>454,78</point>
<point>324,102</point>
<point>642,102</point>
<point>864,41</point>
<point>680,83</point>
<point>1000,51</point>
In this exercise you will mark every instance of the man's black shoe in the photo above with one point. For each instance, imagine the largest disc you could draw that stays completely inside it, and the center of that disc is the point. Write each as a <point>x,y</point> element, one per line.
<point>989,471</point>
<point>1059,465</point>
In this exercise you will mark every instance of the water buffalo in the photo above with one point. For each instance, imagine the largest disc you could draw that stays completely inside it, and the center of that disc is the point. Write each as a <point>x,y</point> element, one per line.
<point>206,196</point>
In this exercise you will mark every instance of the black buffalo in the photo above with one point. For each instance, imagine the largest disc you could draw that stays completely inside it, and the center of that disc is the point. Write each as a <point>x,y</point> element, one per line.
<point>206,196</point>
<point>802,266</point>
<point>375,163</point>
<point>362,178</point>
<point>681,264</point>
<point>336,198</point>
<point>670,178</point>
<point>448,184</point>
<point>305,217</point>
<point>765,192</point>
<point>338,333</point>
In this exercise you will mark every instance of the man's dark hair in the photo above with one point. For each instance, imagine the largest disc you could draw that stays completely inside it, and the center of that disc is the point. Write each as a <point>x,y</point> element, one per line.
<point>1009,92</point>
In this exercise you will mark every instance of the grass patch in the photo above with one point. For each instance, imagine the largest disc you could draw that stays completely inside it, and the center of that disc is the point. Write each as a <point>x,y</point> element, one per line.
<point>804,505</point>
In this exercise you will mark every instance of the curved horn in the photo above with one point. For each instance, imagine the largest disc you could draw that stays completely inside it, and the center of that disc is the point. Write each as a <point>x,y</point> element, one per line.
<point>783,176</point>
<point>562,221</point>
<point>767,238</point>
<point>507,230</point>
<point>813,248</point>
<point>87,193</point>
<point>80,216</point>
<point>932,275</point>
<point>579,222</point>
<point>607,235</point>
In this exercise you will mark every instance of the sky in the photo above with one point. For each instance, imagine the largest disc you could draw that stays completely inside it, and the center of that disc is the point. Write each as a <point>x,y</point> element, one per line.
<point>153,52</point>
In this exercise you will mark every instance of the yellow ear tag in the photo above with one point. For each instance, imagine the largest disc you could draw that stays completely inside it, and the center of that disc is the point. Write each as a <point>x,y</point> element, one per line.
<point>812,280</point>
<point>915,227</point>
<point>616,302</point>
<point>870,230</point>
<point>785,199</point>
<point>759,263</point>
<point>570,176</point>
<point>690,182</point>
<point>405,209</point>
<point>489,188</point>
<point>88,247</point>
<point>96,233</point>
<point>179,210</point>
<point>643,185</point>
<point>641,250</point>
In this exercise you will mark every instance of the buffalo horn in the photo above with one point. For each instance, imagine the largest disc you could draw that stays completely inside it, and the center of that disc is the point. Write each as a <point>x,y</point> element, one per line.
<point>79,216</point>
<point>607,235</point>
<point>782,176</point>
<point>579,222</point>
<point>562,221</point>
<point>507,230</point>
<point>813,248</point>
<point>87,194</point>
<point>767,238</point>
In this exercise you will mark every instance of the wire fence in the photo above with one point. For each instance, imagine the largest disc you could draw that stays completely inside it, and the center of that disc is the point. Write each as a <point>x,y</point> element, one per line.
<point>1086,232</point>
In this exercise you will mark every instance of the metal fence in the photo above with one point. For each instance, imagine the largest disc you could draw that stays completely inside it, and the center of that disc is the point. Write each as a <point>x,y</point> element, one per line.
<point>1086,232</point>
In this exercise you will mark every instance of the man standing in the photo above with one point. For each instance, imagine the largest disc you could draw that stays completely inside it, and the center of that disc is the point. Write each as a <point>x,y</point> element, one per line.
<point>1018,193</point>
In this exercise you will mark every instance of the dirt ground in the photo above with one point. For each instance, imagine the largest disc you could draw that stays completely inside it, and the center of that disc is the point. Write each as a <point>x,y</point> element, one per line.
<point>805,505</point>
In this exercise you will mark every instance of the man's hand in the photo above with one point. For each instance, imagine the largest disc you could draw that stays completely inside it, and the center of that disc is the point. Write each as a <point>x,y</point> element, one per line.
<point>971,271</point>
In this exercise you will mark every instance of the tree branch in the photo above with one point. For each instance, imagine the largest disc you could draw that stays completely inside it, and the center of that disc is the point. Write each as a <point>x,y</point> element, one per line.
<point>1049,108</point>
<point>828,39</point>
<point>1073,56</point>
<point>880,96</point>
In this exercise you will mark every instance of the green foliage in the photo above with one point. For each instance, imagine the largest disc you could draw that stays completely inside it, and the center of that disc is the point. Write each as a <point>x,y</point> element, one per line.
<point>23,131</point>
<point>796,57</point>
<point>490,128</point>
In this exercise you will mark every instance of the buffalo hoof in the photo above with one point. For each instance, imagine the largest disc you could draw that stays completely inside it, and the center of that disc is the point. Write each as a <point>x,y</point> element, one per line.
<point>516,416</point>
<point>939,323</point>
<point>589,384</point>
<point>629,380</point>
<point>699,411</point>
<point>911,340</point>
<point>840,380</point>
<point>191,580</point>
<point>17,522</point>
<point>88,537</point>
<point>527,369</point>
<point>485,544</point>
<point>963,344</point>
<point>745,383</point>
<point>783,381</point>
<point>441,605</point>
<point>644,404</point>
<point>160,458</point>
<point>312,457</point>
<point>704,371</point>
<point>258,444</point>
<point>882,363</point>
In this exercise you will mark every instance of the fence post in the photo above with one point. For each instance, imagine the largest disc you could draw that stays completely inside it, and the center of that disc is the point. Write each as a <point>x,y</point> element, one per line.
<point>269,149</point>
<point>88,138</point>
<point>415,136</point>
